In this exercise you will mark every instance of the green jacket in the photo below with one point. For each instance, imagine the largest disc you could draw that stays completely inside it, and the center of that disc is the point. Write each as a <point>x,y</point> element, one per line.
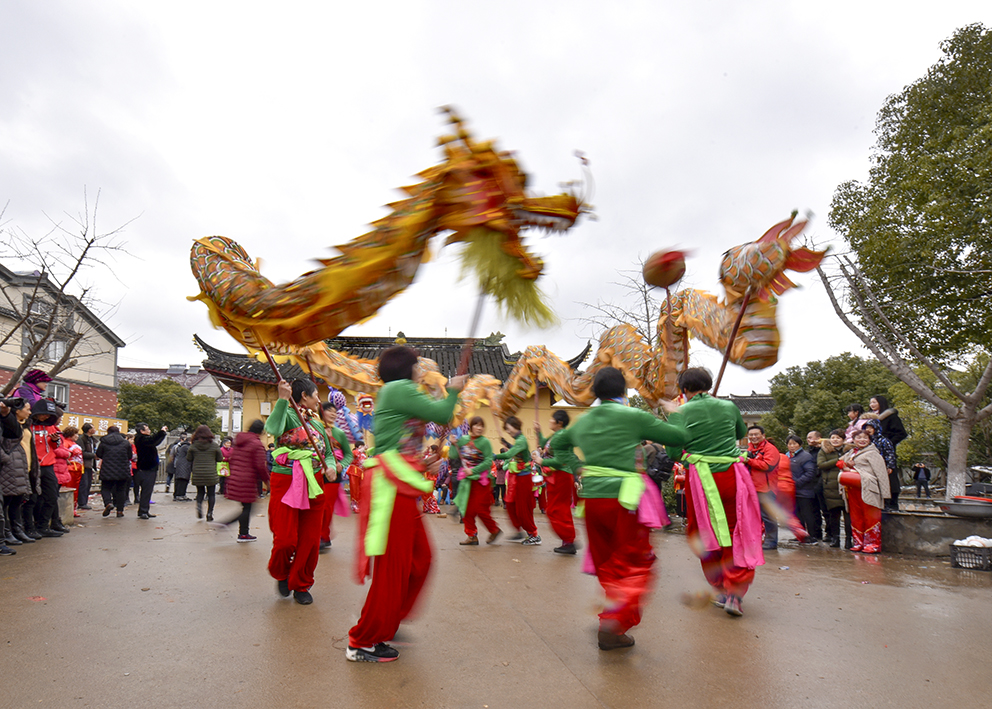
<point>398,402</point>
<point>347,456</point>
<point>283,418</point>
<point>485,448</point>
<point>520,451</point>
<point>562,451</point>
<point>712,428</point>
<point>609,436</point>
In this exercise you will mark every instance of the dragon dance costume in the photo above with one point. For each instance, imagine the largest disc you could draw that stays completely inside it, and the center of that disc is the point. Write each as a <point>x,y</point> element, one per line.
<point>427,501</point>
<point>609,436</point>
<point>391,527</point>
<point>519,486</point>
<point>332,490</point>
<point>475,489</point>
<point>559,464</point>
<point>296,502</point>
<point>355,474</point>
<point>723,514</point>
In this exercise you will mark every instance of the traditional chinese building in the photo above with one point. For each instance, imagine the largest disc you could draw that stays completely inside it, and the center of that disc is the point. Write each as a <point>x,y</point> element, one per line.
<point>752,406</point>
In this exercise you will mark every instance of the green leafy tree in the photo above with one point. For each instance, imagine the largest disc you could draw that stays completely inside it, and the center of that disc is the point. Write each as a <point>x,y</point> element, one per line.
<point>813,397</point>
<point>166,403</point>
<point>915,288</point>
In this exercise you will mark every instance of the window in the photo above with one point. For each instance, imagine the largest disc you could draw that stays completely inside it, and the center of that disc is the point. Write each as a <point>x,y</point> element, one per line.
<point>59,392</point>
<point>55,350</point>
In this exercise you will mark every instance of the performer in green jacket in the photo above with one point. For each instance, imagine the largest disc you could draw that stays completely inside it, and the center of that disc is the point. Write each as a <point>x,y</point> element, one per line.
<point>610,436</point>
<point>723,517</point>
<point>295,518</point>
<point>391,528</point>
<point>557,456</point>
<point>475,492</point>
<point>519,486</point>
<point>342,459</point>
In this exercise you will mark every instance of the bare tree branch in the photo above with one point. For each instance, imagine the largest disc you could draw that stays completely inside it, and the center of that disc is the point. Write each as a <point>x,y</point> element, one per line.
<point>910,347</point>
<point>895,364</point>
<point>60,257</point>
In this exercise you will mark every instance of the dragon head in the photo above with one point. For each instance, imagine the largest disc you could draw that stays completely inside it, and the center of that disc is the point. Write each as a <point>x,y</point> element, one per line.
<point>760,266</point>
<point>480,189</point>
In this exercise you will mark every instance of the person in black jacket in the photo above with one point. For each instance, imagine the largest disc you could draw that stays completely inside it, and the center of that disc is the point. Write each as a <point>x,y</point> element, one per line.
<point>88,443</point>
<point>921,476</point>
<point>892,429</point>
<point>114,453</point>
<point>146,446</point>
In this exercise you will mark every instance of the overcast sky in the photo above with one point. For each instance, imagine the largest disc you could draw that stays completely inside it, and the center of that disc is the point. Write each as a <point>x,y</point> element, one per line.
<point>287,126</point>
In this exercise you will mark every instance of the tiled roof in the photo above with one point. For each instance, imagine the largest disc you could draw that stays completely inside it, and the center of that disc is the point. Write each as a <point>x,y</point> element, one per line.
<point>494,359</point>
<point>222,400</point>
<point>754,404</point>
<point>143,376</point>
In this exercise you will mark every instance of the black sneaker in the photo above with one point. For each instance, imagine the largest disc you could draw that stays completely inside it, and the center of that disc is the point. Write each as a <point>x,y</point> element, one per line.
<point>325,545</point>
<point>565,549</point>
<point>283,588</point>
<point>303,597</point>
<point>614,641</point>
<point>532,541</point>
<point>107,510</point>
<point>380,652</point>
<point>6,550</point>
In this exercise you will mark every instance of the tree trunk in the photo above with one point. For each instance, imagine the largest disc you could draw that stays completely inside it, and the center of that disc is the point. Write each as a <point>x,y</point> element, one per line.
<point>957,454</point>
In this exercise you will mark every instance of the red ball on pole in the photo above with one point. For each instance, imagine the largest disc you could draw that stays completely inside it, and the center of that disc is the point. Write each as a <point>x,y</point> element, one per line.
<point>664,268</point>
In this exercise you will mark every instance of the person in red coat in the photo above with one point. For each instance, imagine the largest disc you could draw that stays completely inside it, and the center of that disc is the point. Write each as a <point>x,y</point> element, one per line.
<point>248,466</point>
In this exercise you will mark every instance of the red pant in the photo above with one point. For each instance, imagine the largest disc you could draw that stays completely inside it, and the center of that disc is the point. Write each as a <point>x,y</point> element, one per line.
<point>866,522</point>
<point>480,497</point>
<point>330,499</point>
<point>560,486</point>
<point>295,536</point>
<point>397,576</point>
<point>355,476</point>
<point>621,553</point>
<point>521,507</point>
<point>718,565</point>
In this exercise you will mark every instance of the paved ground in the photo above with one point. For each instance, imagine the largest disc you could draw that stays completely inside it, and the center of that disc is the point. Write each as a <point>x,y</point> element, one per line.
<point>166,612</point>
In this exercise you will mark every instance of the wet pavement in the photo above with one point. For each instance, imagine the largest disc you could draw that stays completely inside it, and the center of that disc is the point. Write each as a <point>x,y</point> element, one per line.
<point>126,612</point>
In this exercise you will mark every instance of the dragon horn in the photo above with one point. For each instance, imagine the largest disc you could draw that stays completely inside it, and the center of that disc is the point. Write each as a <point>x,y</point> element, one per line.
<point>773,233</point>
<point>794,230</point>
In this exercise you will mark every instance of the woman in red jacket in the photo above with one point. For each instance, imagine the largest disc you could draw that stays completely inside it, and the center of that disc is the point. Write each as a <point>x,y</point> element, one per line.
<point>248,466</point>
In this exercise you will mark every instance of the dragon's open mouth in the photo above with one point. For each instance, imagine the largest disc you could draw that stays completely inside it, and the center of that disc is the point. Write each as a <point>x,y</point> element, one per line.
<point>544,221</point>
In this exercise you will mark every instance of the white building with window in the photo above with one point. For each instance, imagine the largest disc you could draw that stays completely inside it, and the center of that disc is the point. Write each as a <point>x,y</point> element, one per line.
<point>31,310</point>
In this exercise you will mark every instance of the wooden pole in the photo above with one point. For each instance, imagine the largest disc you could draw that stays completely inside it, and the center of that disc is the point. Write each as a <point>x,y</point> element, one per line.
<point>730,343</point>
<point>669,345</point>
<point>472,332</point>
<point>296,408</point>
